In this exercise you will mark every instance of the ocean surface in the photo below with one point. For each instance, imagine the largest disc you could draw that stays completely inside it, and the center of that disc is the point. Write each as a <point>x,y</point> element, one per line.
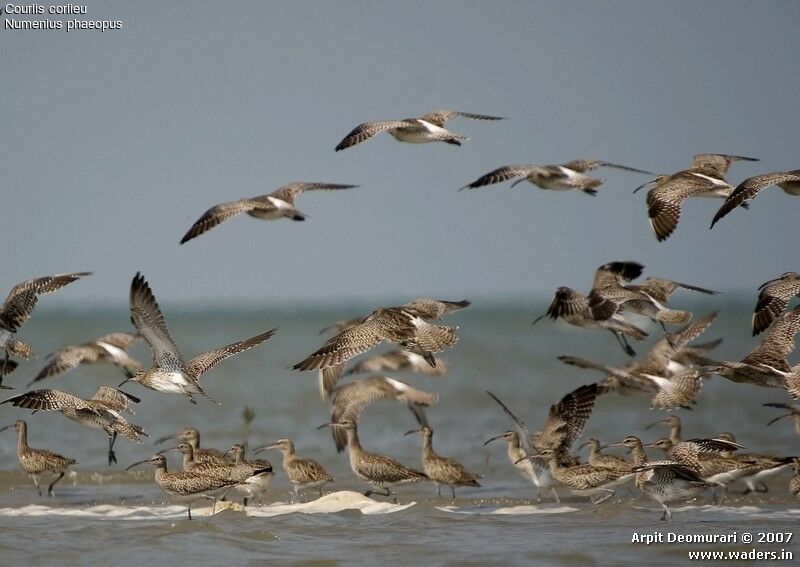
<point>104,515</point>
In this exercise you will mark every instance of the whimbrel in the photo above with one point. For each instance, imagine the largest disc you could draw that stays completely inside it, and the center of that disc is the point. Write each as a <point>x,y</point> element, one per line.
<point>108,349</point>
<point>747,190</point>
<point>794,413</point>
<point>302,473</point>
<point>563,177</point>
<point>427,128</point>
<point>191,436</point>
<point>378,470</point>
<point>535,470</point>
<point>186,486</point>
<point>101,411</point>
<point>704,178</point>
<point>599,459</point>
<point>674,424</point>
<point>773,299</point>
<point>398,361</point>
<point>441,470</point>
<point>395,324</point>
<point>664,481</point>
<point>409,324</point>
<point>585,479</point>
<point>170,372</point>
<point>767,364</point>
<point>36,462</point>
<point>18,308</point>
<point>350,399</point>
<point>254,475</point>
<point>276,205</point>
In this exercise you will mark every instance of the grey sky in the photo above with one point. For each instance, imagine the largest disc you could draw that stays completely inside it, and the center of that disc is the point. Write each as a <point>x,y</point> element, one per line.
<point>113,143</point>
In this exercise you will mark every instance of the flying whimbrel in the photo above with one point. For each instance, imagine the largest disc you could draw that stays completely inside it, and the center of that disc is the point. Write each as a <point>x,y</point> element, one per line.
<point>302,473</point>
<point>276,205</point>
<point>705,177</point>
<point>101,411</point>
<point>170,372</point>
<point>747,190</point>
<point>410,325</point>
<point>773,299</point>
<point>398,360</point>
<point>350,399</point>
<point>427,128</point>
<point>108,349</point>
<point>794,413</point>
<point>186,486</point>
<point>378,470</point>
<point>563,177</point>
<point>18,308</point>
<point>441,470</point>
<point>36,462</point>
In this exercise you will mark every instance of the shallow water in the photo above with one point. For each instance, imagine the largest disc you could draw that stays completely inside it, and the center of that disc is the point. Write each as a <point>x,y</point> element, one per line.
<point>101,513</point>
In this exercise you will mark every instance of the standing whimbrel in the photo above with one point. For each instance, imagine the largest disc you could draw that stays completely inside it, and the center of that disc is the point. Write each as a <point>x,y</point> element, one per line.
<point>773,299</point>
<point>170,372</point>
<point>38,461</point>
<point>186,485</point>
<point>350,399</point>
<point>108,349</point>
<point>704,178</point>
<point>441,470</point>
<point>191,436</point>
<point>378,470</point>
<point>302,473</point>
<point>410,325</point>
<point>253,475</point>
<point>101,411</point>
<point>664,481</point>
<point>17,309</point>
<point>747,190</point>
<point>426,128</point>
<point>598,459</point>
<point>535,470</point>
<point>276,205</point>
<point>563,177</point>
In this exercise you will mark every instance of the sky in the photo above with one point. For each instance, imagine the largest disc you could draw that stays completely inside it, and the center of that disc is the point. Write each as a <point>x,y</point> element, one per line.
<point>113,143</point>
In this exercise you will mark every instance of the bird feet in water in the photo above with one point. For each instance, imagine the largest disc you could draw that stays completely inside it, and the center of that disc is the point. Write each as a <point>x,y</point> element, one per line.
<point>112,457</point>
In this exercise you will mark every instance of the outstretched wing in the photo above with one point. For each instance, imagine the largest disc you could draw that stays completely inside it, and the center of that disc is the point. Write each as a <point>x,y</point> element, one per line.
<point>778,343</point>
<point>439,117</point>
<point>773,299</point>
<point>584,165</point>
<point>568,417</point>
<point>146,316</point>
<point>49,400</point>
<point>506,173</point>
<point>19,304</point>
<point>747,190</point>
<point>217,215</point>
<point>114,399</point>
<point>291,190</point>
<point>65,360</point>
<point>365,131</point>
<point>204,362</point>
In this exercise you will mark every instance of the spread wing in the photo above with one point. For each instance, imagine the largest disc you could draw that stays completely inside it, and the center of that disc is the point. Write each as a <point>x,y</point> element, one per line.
<point>506,173</point>
<point>747,190</point>
<point>19,304</point>
<point>584,165</point>
<point>219,214</point>
<point>146,316</point>
<point>439,117</point>
<point>119,340</point>
<point>206,361</point>
<point>366,130</point>
<point>715,165</point>
<point>773,299</point>
<point>657,359</point>
<point>568,417</point>
<point>778,343</point>
<point>617,272</point>
<point>566,301</point>
<point>291,190</point>
<point>49,400</point>
<point>664,201</point>
<point>65,360</point>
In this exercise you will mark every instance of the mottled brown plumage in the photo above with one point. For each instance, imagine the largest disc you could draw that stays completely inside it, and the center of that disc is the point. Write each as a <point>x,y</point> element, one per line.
<point>747,190</point>
<point>302,473</point>
<point>36,462</point>
<point>599,459</point>
<point>773,299</point>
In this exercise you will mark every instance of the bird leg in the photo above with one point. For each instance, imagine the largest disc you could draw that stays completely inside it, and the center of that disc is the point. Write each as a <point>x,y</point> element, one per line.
<point>453,491</point>
<point>52,484</point>
<point>667,515</point>
<point>189,510</point>
<point>35,479</point>
<point>112,457</point>
<point>438,490</point>
<point>623,342</point>
<point>608,494</point>
<point>244,501</point>
<point>555,495</point>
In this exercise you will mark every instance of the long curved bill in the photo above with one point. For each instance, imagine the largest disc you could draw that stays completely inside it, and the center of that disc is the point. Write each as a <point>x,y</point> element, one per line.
<point>495,438</point>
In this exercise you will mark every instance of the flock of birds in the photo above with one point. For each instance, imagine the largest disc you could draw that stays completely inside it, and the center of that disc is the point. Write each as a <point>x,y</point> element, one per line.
<point>671,373</point>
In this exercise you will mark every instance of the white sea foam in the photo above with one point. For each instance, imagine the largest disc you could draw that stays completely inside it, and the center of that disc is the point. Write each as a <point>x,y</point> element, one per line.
<point>507,510</point>
<point>328,504</point>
